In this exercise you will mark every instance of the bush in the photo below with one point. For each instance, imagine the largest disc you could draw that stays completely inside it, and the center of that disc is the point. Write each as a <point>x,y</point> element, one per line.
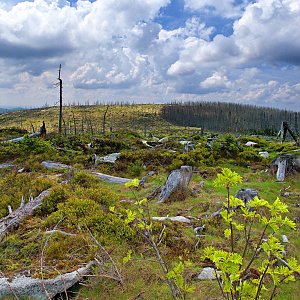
<point>135,168</point>
<point>59,194</point>
<point>246,157</point>
<point>36,145</point>
<point>85,180</point>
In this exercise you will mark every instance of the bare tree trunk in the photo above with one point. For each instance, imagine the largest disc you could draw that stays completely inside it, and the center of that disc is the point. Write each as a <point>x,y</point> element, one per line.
<point>60,101</point>
<point>104,119</point>
<point>74,122</point>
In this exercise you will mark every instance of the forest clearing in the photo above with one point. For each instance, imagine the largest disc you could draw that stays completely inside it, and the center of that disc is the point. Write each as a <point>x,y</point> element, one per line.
<point>124,204</point>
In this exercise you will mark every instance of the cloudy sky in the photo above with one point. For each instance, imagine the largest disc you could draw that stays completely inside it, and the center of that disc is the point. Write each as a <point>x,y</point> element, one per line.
<point>241,51</point>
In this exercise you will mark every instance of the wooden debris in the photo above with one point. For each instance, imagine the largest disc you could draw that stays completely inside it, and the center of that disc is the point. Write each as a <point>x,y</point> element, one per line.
<point>22,286</point>
<point>111,179</point>
<point>286,164</point>
<point>176,184</point>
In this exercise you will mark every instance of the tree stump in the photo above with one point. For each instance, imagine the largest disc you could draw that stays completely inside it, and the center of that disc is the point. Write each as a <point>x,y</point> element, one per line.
<point>176,185</point>
<point>286,164</point>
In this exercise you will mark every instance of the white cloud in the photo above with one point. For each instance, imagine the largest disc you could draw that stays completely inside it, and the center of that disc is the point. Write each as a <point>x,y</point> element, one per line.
<point>118,49</point>
<point>225,8</point>
<point>216,81</point>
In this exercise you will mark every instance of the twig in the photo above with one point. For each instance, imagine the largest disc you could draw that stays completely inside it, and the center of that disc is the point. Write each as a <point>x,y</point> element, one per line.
<point>160,238</point>
<point>110,258</point>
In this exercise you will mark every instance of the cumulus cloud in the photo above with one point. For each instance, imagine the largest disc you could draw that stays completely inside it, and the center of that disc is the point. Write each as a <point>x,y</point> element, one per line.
<point>112,45</point>
<point>225,8</point>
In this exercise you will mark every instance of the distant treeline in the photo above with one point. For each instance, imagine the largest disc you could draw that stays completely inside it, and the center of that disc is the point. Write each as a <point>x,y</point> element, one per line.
<point>229,117</point>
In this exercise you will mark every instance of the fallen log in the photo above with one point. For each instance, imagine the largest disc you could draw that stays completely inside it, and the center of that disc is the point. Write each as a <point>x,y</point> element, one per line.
<point>111,179</point>
<point>54,165</point>
<point>39,289</point>
<point>17,216</point>
<point>20,139</point>
<point>104,177</point>
<point>12,220</point>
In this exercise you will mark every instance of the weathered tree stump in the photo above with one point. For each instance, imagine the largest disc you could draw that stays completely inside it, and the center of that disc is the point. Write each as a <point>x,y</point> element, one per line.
<point>286,164</point>
<point>176,185</point>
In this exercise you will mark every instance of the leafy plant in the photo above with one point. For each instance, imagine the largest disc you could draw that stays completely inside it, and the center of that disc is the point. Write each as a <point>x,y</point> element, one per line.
<point>141,222</point>
<point>251,272</point>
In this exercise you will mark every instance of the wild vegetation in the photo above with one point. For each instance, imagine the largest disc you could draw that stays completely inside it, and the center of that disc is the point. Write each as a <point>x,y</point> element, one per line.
<point>84,218</point>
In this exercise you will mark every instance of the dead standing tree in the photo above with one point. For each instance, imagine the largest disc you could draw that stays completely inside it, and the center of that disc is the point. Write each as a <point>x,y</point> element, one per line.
<point>104,119</point>
<point>283,131</point>
<point>60,120</point>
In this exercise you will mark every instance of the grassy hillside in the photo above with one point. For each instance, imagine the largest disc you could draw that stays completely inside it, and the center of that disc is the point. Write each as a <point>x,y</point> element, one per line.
<point>111,213</point>
<point>89,118</point>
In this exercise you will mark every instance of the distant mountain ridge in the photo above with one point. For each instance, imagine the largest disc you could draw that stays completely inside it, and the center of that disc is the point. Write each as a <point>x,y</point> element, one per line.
<point>4,110</point>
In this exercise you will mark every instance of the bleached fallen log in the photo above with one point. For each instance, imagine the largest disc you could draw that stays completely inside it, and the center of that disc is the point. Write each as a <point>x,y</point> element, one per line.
<point>111,179</point>
<point>39,289</point>
<point>6,165</point>
<point>20,139</point>
<point>180,219</point>
<point>54,165</point>
<point>16,217</point>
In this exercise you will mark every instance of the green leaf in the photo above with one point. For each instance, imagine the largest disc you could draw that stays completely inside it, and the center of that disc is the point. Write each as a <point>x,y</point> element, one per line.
<point>227,233</point>
<point>227,178</point>
<point>278,207</point>
<point>134,183</point>
<point>127,258</point>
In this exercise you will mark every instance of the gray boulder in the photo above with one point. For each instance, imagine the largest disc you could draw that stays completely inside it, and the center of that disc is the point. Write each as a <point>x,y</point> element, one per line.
<point>208,273</point>
<point>246,194</point>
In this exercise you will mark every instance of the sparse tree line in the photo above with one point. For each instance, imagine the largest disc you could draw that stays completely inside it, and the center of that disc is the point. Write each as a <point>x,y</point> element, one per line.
<point>229,117</point>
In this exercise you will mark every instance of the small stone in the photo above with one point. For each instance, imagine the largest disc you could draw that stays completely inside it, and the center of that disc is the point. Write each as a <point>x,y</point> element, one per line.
<point>201,184</point>
<point>284,238</point>
<point>208,273</point>
<point>199,229</point>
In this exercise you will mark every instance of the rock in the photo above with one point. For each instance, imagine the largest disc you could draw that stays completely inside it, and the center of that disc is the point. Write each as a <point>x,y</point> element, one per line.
<point>208,273</point>
<point>216,213</point>
<point>264,154</point>
<point>250,144</point>
<point>199,229</point>
<point>54,165</point>
<point>246,194</point>
<point>188,145</point>
<point>176,184</point>
<point>173,219</point>
<point>34,288</point>
<point>110,158</point>
<point>201,184</point>
<point>151,173</point>
<point>284,238</point>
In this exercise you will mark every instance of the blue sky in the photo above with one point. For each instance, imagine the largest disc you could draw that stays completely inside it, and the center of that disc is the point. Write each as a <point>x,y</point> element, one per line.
<point>151,51</point>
